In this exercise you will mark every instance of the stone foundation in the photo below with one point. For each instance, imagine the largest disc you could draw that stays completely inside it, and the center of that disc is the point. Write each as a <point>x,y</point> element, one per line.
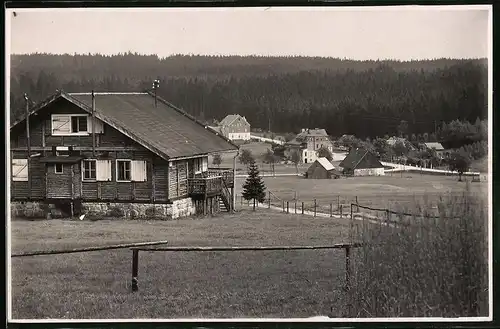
<point>39,209</point>
<point>177,209</point>
<point>27,209</point>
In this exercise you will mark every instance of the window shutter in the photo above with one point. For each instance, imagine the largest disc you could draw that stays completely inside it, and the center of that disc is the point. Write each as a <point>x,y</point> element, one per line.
<point>204,164</point>
<point>103,170</point>
<point>99,127</point>
<point>20,170</point>
<point>61,124</point>
<point>138,169</point>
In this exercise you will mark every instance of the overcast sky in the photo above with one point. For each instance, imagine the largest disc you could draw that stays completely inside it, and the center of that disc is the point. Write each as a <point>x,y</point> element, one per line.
<point>404,33</point>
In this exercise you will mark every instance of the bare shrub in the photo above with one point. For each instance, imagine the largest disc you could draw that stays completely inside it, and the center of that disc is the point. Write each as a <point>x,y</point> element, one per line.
<point>424,266</point>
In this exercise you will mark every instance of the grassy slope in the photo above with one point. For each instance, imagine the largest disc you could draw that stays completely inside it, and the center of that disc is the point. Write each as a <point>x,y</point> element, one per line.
<point>239,284</point>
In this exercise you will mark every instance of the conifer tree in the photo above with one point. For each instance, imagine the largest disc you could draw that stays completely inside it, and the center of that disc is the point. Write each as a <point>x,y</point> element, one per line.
<point>254,187</point>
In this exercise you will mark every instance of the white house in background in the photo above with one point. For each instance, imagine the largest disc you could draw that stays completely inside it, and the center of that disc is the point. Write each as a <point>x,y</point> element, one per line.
<point>307,143</point>
<point>234,127</point>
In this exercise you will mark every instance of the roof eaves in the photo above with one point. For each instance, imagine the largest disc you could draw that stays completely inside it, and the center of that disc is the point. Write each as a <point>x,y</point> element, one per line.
<point>38,106</point>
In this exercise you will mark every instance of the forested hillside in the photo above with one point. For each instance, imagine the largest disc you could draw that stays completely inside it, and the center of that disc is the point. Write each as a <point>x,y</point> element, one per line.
<point>364,98</point>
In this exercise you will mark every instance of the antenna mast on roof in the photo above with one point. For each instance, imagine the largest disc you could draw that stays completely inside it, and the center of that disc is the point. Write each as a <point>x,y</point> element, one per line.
<point>156,85</point>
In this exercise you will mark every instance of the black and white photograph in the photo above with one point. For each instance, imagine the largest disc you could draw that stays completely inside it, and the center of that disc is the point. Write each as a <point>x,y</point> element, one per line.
<point>249,163</point>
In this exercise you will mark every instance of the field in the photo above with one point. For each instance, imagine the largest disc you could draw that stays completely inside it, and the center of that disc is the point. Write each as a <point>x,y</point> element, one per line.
<point>389,191</point>
<point>173,285</point>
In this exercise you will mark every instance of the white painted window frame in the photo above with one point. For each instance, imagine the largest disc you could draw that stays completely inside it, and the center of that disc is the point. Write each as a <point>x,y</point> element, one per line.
<point>83,171</point>
<point>82,133</point>
<point>62,169</point>
<point>117,168</point>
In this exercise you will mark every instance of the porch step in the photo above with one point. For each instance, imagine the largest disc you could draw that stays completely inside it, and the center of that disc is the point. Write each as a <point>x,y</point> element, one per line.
<point>222,206</point>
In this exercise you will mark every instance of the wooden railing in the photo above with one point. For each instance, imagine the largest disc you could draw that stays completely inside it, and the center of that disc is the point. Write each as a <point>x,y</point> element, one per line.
<point>208,185</point>
<point>226,173</point>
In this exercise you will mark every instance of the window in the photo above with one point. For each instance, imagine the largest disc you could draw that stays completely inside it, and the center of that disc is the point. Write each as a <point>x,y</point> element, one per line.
<point>89,170</point>
<point>79,124</point>
<point>70,124</point>
<point>123,170</point>
<point>20,170</point>
<point>59,168</point>
<point>131,170</point>
<point>197,165</point>
<point>64,153</point>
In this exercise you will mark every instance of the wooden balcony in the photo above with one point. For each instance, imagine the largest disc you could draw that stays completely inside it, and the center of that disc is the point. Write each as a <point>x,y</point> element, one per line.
<point>211,182</point>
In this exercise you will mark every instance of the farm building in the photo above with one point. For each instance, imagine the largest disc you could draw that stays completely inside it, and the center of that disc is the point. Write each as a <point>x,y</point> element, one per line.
<point>361,162</point>
<point>322,169</point>
<point>307,143</point>
<point>234,127</point>
<point>126,153</point>
<point>438,147</point>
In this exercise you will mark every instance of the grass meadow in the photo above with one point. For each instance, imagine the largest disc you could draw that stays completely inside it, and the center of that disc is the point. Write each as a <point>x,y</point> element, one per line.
<point>96,285</point>
<point>391,191</point>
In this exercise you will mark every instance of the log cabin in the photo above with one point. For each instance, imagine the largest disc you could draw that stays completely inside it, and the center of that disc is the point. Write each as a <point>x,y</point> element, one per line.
<point>115,154</point>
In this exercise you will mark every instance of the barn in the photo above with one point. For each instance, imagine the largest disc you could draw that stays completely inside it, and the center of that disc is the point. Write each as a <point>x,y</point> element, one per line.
<point>132,154</point>
<point>361,162</point>
<point>322,169</point>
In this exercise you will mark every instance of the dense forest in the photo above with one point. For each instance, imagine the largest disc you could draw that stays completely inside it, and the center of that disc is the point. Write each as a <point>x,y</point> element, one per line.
<point>362,98</point>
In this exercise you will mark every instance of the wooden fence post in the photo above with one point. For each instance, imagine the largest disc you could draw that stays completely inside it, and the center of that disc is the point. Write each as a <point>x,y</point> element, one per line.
<point>302,207</point>
<point>340,211</point>
<point>314,207</point>
<point>295,206</point>
<point>357,207</point>
<point>351,233</point>
<point>283,205</point>
<point>338,205</point>
<point>348,268</point>
<point>241,201</point>
<point>331,209</point>
<point>269,200</point>
<point>287,208</point>
<point>135,270</point>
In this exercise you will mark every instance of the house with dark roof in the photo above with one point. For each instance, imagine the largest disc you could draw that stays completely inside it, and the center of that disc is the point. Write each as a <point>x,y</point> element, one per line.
<point>361,162</point>
<point>234,127</point>
<point>307,143</point>
<point>86,153</point>
<point>438,147</point>
<point>322,169</point>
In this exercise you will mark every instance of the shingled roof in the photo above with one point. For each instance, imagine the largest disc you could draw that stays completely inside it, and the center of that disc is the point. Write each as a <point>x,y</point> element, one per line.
<point>354,158</point>
<point>165,130</point>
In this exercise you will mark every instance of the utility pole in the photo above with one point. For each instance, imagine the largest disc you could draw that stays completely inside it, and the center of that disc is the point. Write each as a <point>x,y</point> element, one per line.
<point>28,140</point>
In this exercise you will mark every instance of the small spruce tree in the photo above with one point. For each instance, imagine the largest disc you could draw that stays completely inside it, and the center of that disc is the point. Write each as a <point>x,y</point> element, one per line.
<point>254,187</point>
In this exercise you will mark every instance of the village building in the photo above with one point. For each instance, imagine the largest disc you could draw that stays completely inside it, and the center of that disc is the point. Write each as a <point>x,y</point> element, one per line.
<point>441,152</point>
<point>361,162</point>
<point>234,127</point>
<point>131,154</point>
<point>393,140</point>
<point>307,143</point>
<point>322,169</point>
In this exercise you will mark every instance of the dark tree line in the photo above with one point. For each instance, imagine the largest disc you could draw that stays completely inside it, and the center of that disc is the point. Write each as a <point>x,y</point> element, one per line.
<point>362,98</point>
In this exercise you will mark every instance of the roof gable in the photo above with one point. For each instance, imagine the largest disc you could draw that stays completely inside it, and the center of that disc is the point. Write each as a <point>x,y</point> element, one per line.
<point>165,130</point>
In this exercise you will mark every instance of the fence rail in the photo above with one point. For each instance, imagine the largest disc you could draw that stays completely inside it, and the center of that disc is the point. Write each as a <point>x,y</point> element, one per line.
<point>88,249</point>
<point>135,255</point>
